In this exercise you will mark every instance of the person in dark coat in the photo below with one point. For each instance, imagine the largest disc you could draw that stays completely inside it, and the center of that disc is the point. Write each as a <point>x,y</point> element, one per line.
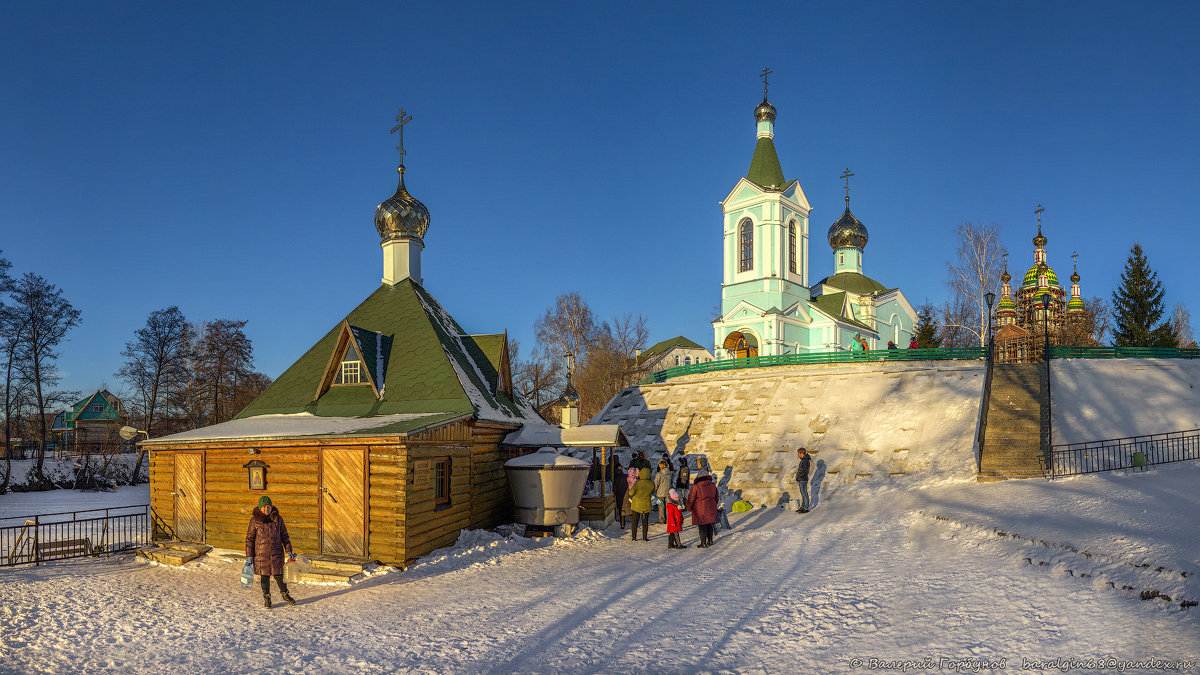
<point>662,487</point>
<point>619,488</point>
<point>892,345</point>
<point>640,462</point>
<point>683,478</point>
<point>702,502</point>
<point>266,540</point>
<point>802,472</point>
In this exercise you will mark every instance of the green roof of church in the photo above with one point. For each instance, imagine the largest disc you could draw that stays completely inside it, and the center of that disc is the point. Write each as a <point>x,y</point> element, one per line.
<point>1031,277</point>
<point>764,166</point>
<point>432,367</point>
<point>665,346</point>
<point>854,282</point>
<point>831,304</point>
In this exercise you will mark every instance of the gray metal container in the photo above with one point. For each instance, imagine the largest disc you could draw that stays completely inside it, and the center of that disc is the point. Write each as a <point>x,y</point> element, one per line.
<point>547,487</point>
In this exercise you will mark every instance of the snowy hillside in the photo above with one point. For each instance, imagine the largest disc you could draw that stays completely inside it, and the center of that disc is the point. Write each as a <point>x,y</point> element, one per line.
<point>1013,571</point>
<point>1100,399</point>
<point>867,425</point>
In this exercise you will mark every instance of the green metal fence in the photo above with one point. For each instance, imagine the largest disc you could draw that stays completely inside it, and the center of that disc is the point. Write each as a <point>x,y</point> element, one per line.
<point>1122,353</point>
<point>838,356</point>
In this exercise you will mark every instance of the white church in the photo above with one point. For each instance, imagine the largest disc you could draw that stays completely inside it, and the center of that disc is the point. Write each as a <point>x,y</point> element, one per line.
<point>768,305</point>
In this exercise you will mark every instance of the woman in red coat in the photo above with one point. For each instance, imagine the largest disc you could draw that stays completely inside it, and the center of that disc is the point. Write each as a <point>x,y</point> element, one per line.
<point>702,502</point>
<point>266,538</point>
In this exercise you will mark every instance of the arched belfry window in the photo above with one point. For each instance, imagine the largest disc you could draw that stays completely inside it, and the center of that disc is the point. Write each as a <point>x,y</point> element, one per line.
<point>792,248</point>
<point>746,243</point>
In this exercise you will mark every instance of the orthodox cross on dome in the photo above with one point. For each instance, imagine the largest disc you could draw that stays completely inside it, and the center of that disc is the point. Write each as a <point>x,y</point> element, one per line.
<point>1075,260</point>
<point>846,177</point>
<point>765,73</point>
<point>1038,212</point>
<point>402,119</point>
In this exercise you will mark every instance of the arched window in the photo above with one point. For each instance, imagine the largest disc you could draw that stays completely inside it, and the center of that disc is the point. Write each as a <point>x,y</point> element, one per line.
<point>747,246</point>
<point>792,248</point>
<point>687,360</point>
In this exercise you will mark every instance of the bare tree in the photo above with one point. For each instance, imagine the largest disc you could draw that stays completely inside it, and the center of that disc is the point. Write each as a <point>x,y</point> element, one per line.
<point>10,330</point>
<point>1091,328</point>
<point>1181,327</point>
<point>611,364</point>
<point>568,328</point>
<point>953,331</point>
<point>46,316</point>
<point>538,380</point>
<point>156,356</point>
<point>223,362</point>
<point>975,271</point>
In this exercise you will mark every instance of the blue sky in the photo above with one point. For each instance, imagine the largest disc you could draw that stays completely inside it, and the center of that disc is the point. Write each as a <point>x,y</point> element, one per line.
<point>228,159</point>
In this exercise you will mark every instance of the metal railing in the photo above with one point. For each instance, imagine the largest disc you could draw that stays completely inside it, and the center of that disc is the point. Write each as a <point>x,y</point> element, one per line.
<point>1071,459</point>
<point>1123,353</point>
<point>73,534</point>
<point>834,356</point>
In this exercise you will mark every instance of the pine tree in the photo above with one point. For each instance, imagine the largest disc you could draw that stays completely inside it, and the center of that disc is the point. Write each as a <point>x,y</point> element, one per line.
<point>927,332</point>
<point>1138,306</point>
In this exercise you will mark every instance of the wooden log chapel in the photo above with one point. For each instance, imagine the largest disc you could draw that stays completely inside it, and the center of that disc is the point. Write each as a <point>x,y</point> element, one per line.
<point>381,442</point>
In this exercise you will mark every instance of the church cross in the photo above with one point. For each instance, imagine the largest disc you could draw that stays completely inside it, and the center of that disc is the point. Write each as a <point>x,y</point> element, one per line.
<point>765,73</point>
<point>402,119</point>
<point>846,177</point>
<point>1075,260</point>
<point>1039,211</point>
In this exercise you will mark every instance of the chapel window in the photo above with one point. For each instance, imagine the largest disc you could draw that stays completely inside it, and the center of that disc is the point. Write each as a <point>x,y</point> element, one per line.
<point>350,370</point>
<point>441,481</point>
<point>747,247</point>
<point>792,248</point>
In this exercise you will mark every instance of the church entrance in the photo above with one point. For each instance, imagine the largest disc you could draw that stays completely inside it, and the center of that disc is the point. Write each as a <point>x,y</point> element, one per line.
<point>741,345</point>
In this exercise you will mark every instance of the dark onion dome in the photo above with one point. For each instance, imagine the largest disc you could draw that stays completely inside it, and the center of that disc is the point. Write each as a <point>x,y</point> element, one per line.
<point>570,396</point>
<point>401,215</point>
<point>1039,240</point>
<point>847,231</point>
<point>764,111</point>
<point>1005,278</point>
<point>1075,277</point>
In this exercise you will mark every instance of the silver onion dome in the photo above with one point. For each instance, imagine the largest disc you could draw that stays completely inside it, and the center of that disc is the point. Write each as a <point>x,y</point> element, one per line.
<point>401,215</point>
<point>847,231</point>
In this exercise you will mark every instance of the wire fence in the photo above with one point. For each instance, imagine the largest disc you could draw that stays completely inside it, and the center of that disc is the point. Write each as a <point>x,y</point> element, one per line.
<point>1071,459</point>
<point>73,534</point>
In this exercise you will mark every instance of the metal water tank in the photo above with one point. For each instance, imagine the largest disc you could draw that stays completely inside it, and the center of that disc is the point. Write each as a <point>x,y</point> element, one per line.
<point>547,487</point>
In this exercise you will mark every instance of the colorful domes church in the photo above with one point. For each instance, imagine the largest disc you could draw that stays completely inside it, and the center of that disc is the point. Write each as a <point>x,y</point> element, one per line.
<point>1023,321</point>
<point>768,306</point>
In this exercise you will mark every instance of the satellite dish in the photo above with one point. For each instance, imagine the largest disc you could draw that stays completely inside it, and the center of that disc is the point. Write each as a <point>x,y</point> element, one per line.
<point>128,433</point>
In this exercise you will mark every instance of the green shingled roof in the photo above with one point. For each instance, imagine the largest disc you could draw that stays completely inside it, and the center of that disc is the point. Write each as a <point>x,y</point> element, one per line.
<point>428,365</point>
<point>854,282</point>
<point>764,166</point>
<point>665,346</point>
<point>831,304</point>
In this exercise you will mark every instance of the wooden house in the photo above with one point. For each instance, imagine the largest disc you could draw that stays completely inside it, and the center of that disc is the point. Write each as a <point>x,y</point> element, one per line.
<point>381,442</point>
<point>89,426</point>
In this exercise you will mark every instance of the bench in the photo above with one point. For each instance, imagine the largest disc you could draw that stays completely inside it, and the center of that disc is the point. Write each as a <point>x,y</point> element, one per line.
<point>65,548</point>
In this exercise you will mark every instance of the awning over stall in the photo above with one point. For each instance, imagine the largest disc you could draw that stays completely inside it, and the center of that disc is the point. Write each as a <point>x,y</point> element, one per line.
<point>588,435</point>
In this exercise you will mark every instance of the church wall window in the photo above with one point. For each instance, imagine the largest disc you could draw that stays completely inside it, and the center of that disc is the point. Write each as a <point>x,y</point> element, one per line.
<point>792,248</point>
<point>746,246</point>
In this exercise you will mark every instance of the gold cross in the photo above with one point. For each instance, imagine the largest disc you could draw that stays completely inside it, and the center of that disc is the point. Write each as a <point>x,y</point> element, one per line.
<point>402,119</point>
<point>1075,260</point>
<point>1039,211</point>
<point>765,73</point>
<point>846,176</point>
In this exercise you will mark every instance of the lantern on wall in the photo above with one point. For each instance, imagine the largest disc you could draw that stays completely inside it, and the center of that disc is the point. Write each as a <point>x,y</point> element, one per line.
<point>258,474</point>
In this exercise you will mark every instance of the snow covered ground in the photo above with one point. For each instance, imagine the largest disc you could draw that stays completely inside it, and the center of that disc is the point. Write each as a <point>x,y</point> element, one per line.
<point>954,570</point>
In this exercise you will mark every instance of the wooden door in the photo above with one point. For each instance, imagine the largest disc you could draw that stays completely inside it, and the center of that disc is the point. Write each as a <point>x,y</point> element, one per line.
<point>343,524</point>
<point>189,496</point>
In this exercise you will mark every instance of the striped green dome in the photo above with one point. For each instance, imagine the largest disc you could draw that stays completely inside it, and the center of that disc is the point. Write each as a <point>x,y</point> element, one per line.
<point>1032,274</point>
<point>1076,303</point>
<point>1006,302</point>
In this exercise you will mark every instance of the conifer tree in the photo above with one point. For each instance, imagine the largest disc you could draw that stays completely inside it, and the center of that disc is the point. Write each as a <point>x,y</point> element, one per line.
<point>1138,306</point>
<point>926,331</point>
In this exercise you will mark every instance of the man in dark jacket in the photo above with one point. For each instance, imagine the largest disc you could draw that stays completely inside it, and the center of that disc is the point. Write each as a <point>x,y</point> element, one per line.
<point>266,539</point>
<point>802,478</point>
<point>702,502</point>
<point>683,479</point>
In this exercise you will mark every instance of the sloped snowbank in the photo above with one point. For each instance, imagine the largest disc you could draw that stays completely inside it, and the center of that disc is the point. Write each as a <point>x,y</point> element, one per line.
<point>1100,399</point>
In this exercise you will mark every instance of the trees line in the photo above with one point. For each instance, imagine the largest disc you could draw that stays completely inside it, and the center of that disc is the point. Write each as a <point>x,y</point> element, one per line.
<point>179,375</point>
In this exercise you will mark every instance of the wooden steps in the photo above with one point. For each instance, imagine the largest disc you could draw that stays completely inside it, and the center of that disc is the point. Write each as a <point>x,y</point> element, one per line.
<point>1016,440</point>
<point>175,553</point>
<point>327,569</point>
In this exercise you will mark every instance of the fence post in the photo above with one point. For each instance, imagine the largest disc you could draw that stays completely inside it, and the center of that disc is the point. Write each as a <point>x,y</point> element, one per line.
<point>37,528</point>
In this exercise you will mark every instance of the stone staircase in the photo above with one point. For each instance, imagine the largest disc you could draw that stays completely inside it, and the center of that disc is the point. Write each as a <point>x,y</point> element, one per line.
<point>327,569</point>
<point>1016,438</point>
<point>175,553</point>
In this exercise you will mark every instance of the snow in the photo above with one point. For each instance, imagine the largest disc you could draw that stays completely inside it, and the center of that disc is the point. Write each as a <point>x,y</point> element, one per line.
<point>957,570</point>
<point>18,505</point>
<point>1102,399</point>
<point>289,425</point>
<point>546,457</point>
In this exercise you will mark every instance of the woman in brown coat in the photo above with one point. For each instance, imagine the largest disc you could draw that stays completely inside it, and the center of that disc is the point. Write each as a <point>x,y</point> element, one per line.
<point>266,539</point>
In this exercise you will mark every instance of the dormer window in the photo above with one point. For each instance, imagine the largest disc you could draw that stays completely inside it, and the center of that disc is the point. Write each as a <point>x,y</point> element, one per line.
<point>350,370</point>
<point>97,407</point>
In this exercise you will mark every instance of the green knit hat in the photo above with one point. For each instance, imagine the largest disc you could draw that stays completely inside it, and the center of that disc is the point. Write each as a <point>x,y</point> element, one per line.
<point>263,501</point>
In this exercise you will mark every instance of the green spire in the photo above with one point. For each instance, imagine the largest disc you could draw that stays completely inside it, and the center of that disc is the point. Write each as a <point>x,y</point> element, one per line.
<point>764,166</point>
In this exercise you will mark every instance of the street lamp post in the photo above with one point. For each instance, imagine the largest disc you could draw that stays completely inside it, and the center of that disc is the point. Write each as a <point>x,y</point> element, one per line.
<point>1046,357</point>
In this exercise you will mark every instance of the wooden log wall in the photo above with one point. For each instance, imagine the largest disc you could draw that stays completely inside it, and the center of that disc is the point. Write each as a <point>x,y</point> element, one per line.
<point>491,499</point>
<point>428,526</point>
<point>162,502</point>
<point>385,502</point>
